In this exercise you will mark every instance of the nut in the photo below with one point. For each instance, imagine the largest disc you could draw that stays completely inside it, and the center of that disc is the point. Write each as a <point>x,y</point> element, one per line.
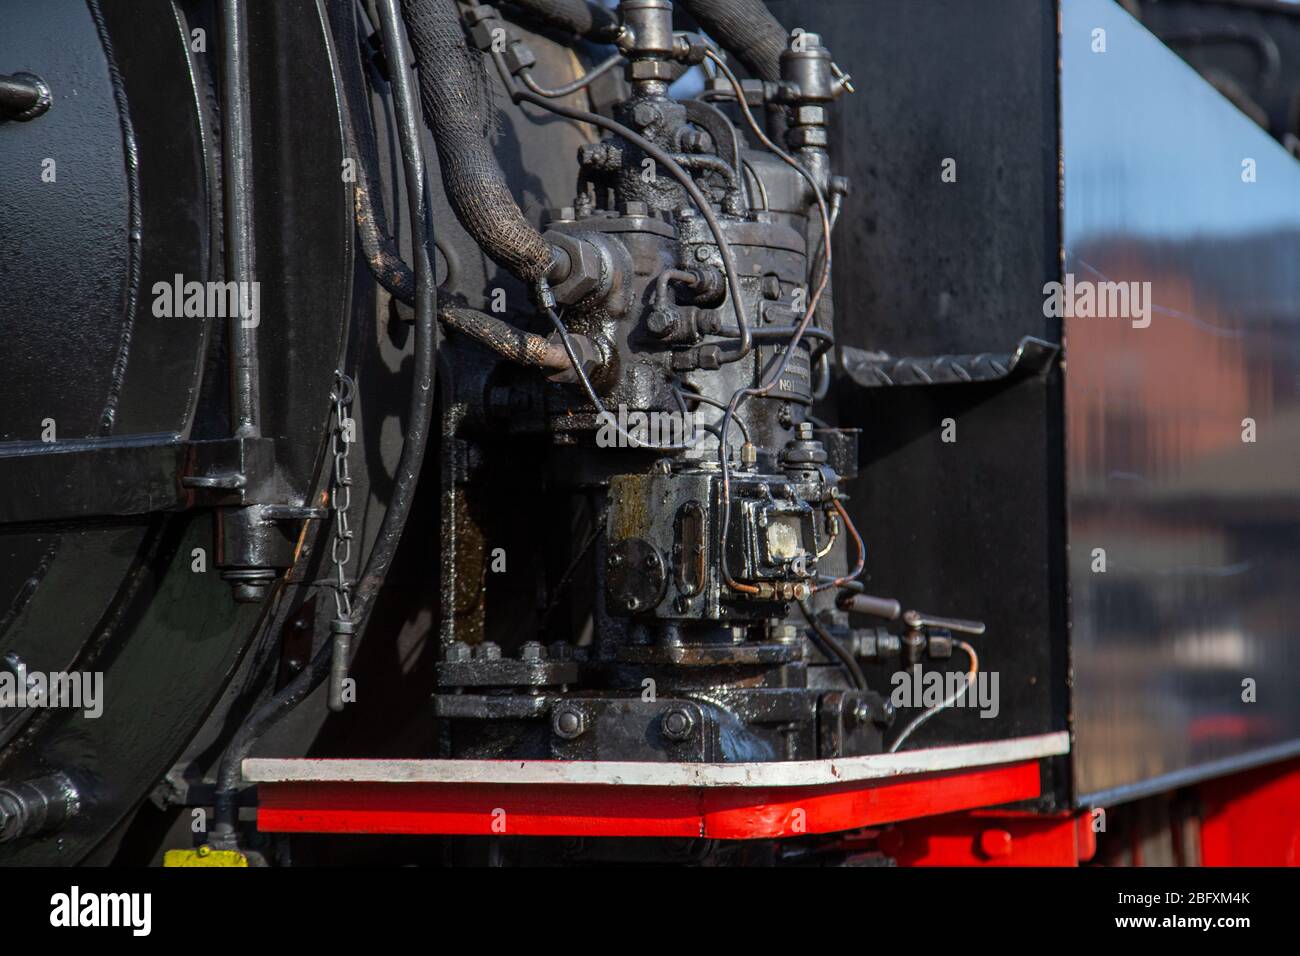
<point>568,722</point>
<point>650,70</point>
<point>646,114</point>
<point>802,136</point>
<point>677,723</point>
<point>587,269</point>
<point>457,651</point>
<point>662,322</point>
<point>809,116</point>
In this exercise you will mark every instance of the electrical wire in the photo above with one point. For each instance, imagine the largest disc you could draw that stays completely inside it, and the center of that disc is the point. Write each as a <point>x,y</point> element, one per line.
<point>833,648</point>
<point>948,702</point>
<point>693,395</point>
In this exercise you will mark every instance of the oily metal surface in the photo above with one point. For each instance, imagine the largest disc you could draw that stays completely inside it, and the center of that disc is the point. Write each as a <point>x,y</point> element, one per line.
<point>1184,433</point>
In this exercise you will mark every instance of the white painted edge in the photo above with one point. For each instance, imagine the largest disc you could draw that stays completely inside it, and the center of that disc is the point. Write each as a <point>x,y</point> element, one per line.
<point>801,773</point>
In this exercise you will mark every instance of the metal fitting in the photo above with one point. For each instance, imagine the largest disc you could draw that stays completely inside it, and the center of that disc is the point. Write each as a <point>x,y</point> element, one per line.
<point>568,722</point>
<point>36,806</point>
<point>677,723</point>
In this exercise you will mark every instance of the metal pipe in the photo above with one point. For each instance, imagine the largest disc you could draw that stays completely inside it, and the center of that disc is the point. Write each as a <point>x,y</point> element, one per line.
<point>409,464</point>
<point>237,174</point>
<point>37,805</point>
<point>377,244</point>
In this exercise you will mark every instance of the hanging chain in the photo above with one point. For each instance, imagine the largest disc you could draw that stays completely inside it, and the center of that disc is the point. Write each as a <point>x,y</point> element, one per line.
<point>341,440</point>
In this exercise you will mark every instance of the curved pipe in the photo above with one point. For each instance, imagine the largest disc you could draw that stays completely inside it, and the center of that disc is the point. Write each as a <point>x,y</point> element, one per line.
<point>511,343</point>
<point>377,244</point>
<point>747,29</point>
<point>452,94</point>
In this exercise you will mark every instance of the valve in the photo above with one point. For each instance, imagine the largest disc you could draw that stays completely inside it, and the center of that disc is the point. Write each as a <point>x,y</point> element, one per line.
<point>919,640</point>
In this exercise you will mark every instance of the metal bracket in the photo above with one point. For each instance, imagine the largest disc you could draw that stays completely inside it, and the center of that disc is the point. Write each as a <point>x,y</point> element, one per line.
<point>1032,357</point>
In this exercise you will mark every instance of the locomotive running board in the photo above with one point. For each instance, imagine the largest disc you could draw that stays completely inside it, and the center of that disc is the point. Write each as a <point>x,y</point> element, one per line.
<point>740,801</point>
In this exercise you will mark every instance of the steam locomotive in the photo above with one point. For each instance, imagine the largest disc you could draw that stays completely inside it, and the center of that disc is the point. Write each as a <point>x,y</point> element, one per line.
<point>711,432</point>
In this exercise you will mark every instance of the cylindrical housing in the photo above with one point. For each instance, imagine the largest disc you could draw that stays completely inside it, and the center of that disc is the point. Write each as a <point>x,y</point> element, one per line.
<point>651,23</point>
<point>807,63</point>
<point>36,805</point>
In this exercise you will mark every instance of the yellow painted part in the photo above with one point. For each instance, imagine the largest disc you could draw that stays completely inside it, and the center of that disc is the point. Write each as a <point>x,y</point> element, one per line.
<point>204,856</point>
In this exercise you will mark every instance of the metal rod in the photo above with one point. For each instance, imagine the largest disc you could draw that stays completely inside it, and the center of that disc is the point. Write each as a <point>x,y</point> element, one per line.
<point>245,394</point>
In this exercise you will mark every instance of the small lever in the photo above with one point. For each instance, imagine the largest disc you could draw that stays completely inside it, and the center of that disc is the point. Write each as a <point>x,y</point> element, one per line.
<point>917,620</point>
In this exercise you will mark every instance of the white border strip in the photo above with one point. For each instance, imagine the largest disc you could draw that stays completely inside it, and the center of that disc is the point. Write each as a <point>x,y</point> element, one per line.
<point>802,773</point>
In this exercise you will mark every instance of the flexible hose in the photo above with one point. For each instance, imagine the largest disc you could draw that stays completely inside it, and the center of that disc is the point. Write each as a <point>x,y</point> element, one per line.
<point>574,16</point>
<point>511,343</point>
<point>377,244</point>
<point>748,31</point>
<point>833,648</point>
<point>453,94</point>
<point>226,808</point>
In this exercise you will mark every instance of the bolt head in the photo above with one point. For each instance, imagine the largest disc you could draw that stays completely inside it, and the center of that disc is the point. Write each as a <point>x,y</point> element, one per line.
<point>678,723</point>
<point>487,651</point>
<point>457,651</point>
<point>661,322</point>
<point>644,114</point>
<point>532,651</point>
<point>568,722</point>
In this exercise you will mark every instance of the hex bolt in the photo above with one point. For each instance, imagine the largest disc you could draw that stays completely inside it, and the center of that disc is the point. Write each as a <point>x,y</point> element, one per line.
<point>532,651</point>
<point>662,322</point>
<point>457,651</point>
<point>645,114</point>
<point>805,431</point>
<point>568,722</point>
<point>487,651</point>
<point>678,723</point>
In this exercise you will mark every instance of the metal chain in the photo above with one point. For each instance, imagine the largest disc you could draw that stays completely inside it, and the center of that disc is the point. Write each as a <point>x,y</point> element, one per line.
<point>341,440</point>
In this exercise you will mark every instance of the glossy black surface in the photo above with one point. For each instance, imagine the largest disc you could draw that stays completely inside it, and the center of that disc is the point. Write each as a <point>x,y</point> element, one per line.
<point>1200,527</point>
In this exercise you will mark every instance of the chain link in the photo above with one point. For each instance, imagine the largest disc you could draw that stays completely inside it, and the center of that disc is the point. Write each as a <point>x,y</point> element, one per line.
<point>341,440</point>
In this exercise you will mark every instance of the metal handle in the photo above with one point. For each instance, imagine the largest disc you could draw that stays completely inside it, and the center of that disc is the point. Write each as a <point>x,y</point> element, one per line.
<point>917,619</point>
